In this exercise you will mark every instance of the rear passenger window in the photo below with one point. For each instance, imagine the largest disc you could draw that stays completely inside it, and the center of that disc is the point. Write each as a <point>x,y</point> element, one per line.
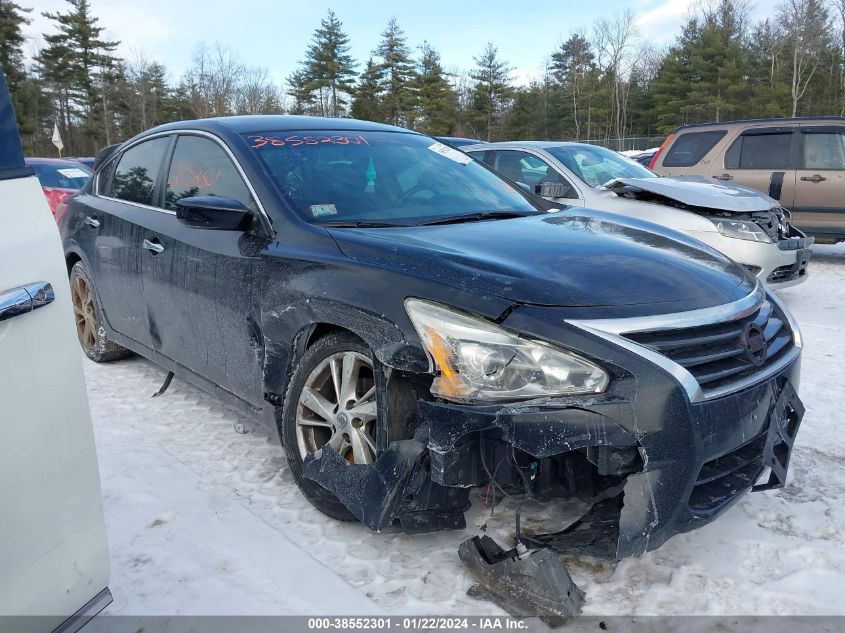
<point>691,147</point>
<point>759,151</point>
<point>200,167</point>
<point>824,150</point>
<point>135,175</point>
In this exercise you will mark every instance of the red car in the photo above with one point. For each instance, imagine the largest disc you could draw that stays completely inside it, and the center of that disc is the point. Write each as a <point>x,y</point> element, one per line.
<point>60,179</point>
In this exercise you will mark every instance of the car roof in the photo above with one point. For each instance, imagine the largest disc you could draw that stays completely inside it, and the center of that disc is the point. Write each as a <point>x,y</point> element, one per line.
<point>797,119</point>
<point>533,144</point>
<point>277,123</point>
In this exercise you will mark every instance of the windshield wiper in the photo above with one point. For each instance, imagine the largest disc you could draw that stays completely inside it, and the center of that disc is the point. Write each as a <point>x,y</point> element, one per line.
<point>357,224</point>
<point>473,217</point>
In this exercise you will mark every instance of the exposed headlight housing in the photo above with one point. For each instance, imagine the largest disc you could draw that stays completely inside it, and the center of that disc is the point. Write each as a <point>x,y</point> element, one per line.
<point>741,229</point>
<point>476,360</point>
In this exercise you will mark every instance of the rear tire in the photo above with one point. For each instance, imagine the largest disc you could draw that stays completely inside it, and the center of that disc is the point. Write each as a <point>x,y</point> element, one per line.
<point>335,376</point>
<point>89,318</point>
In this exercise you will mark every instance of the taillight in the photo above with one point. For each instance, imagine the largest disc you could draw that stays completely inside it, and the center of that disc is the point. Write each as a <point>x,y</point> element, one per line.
<point>657,154</point>
<point>57,199</point>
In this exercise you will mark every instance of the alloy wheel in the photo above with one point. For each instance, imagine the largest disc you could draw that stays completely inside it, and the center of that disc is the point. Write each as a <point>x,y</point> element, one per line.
<point>83,311</point>
<point>337,408</point>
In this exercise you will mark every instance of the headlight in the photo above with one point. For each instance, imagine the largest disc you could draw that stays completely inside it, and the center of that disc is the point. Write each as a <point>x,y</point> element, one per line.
<point>475,359</point>
<point>740,229</point>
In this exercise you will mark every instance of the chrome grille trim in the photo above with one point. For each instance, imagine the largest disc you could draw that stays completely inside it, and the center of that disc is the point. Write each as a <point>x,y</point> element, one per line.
<point>613,329</point>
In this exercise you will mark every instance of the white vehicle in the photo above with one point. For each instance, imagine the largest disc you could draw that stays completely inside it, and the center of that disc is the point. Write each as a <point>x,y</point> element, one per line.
<point>747,226</point>
<point>53,550</point>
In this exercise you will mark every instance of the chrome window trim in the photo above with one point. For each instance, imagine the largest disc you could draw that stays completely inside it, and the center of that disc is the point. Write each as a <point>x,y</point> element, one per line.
<point>187,132</point>
<point>612,329</point>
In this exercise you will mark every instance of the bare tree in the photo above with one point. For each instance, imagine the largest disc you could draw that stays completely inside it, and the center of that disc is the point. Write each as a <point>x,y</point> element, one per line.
<point>806,27</point>
<point>839,7</point>
<point>616,44</point>
<point>256,94</point>
<point>212,81</point>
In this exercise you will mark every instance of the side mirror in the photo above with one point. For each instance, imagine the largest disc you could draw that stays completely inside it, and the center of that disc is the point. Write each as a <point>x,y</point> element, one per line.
<point>552,189</point>
<point>213,212</point>
<point>522,185</point>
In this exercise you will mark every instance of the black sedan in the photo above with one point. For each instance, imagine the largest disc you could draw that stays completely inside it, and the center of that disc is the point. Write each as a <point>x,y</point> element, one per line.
<point>411,325</point>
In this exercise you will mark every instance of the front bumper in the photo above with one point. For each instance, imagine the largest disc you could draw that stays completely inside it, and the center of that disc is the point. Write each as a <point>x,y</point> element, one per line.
<point>778,265</point>
<point>693,469</point>
<point>680,457</point>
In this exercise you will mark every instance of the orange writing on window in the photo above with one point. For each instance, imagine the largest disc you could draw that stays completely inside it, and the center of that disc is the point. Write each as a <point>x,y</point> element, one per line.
<point>185,176</point>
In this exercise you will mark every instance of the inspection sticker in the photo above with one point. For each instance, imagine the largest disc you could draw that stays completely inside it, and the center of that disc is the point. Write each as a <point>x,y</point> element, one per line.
<point>73,172</point>
<point>450,153</point>
<point>320,210</point>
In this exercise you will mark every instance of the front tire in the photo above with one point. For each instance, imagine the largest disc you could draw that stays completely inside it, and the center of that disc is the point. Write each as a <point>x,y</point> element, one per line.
<point>331,404</point>
<point>89,318</point>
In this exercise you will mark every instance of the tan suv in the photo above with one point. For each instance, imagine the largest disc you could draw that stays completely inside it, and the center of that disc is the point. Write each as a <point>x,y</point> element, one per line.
<point>799,162</point>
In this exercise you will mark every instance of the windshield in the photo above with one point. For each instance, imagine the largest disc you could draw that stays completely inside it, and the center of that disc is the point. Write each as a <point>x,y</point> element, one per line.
<point>62,175</point>
<point>596,165</point>
<point>382,177</point>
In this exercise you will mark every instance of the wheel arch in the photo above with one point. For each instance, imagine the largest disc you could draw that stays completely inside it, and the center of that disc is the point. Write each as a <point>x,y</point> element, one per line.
<point>289,332</point>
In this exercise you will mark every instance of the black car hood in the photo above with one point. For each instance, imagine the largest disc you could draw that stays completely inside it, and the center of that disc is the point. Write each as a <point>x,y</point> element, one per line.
<point>574,258</point>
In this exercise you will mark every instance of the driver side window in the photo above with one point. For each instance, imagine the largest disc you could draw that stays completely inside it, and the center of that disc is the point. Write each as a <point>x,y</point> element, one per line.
<point>200,167</point>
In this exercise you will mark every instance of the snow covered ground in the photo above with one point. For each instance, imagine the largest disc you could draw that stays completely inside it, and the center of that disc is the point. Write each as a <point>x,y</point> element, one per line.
<point>206,520</point>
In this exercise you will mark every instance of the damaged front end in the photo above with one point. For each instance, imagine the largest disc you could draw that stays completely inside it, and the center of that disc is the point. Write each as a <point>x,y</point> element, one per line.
<point>690,418</point>
<point>763,237</point>
<point>686,413</point>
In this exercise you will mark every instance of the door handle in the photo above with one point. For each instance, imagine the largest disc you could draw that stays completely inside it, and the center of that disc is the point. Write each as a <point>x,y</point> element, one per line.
<point>25,299</point>
<point>813,178</point>
<point>724,177</point>
<point>155,247</point>
<point>92,222</point>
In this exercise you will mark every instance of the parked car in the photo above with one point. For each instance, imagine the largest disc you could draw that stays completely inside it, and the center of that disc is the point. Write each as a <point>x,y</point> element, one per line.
<point>88,161</point>
<point>60,179</point>
<point>745,225</point>
<point>53,552</point>
<point>409,324</point>
<point>456,141</point>
<point>644,158</point>
<point>799,162</point>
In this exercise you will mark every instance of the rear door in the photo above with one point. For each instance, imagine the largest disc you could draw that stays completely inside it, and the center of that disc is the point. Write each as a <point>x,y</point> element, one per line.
<point>125,190</point>
<point>201,286</point>
<point>53,551</point>
<point>762,158</point>
<point>819,203</point>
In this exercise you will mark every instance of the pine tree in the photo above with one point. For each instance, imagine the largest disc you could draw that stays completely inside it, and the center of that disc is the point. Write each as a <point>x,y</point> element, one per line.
<point>329,67</point>
<point>570,66</point>
<point>78,67</point>
<point>703,77</point>
<point>12,19</point>
<point>301,89</point>
<point>367,103</point>
<point>492,92</point>
<point>397,75</point>
<point>436,101</point>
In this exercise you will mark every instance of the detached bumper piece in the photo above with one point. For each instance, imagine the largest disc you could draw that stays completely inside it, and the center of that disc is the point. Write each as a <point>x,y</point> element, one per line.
<point>534,584</point>
<point>783,427</point>
<point>396,486</point>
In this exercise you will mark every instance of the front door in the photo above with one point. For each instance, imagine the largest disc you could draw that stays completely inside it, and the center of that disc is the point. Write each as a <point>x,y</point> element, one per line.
<point>763,159</point>
<point>819,204</point>
<point>201,286</point>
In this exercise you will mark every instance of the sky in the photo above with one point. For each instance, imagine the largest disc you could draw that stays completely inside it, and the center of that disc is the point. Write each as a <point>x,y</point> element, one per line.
<point>275,34</point>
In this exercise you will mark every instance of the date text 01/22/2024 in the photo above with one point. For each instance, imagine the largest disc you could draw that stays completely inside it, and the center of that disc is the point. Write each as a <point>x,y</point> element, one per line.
<point>417,623</point>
